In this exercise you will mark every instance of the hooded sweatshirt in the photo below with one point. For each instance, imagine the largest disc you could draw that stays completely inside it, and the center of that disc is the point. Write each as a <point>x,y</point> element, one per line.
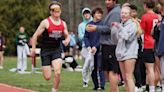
<point>82,25</point>
<point>125,39</point>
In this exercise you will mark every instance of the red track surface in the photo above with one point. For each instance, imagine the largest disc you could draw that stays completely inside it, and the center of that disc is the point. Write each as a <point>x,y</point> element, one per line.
<point>8,88</point>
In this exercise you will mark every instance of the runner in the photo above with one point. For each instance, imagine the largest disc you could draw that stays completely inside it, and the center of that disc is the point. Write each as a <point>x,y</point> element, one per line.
<point>52,30</point>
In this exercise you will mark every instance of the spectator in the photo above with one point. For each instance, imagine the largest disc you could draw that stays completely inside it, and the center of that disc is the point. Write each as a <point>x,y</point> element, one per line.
<point>139,74</point>
<point>93,46</point>
<point>22,50</point>
<point>109,64</point>
<point>2,46</point>
<point>127,46</point>
<point>86,15</point>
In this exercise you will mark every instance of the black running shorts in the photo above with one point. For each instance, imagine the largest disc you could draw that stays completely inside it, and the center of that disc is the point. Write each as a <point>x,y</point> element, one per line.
<point>148,56</point>
<point>48,55</point>
<point>109,61</point>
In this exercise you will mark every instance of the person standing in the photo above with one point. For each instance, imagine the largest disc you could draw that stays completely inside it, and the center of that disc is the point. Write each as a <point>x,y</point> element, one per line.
<point>52,29</point>
<point>22,51</point>
<point>161,44</point>
<point>127,46</point>
<point>109,61</point>
<point>86,15</point>
<point>140,76</point>
<point>148,21</point>
<point>2,46</point>
<point>93,45</point>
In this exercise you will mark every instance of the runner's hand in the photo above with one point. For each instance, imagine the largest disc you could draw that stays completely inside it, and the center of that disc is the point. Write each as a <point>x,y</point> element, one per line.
<point>32,54</point>
<point>65,42</point>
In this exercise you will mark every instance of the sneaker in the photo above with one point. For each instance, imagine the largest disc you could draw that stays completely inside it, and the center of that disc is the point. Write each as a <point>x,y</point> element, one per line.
<point>147,88</point>
<point>140,89</point>
<point>99,89</point>
<point>136,89</point>
<point>94,88</point>
<point>24,72</point>
<point>158,89</point>
<point>21,72</point>
<point>1,67</point>
<point>69,60</point>
<point>102,88</point>
<point>13,70</point>
<point>143,87</point>
<point>54,90</point>
<point>69,69</point>
<point>78,69</point>
<point>85,85</point>
<point>79,66</point>
<point>121,83</point>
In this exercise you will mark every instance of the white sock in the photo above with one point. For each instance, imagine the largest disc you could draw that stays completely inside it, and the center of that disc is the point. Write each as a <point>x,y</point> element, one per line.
<point>162,87</point>
<point>54,90</point>
<point>158,84</point>
<point>151,88</point>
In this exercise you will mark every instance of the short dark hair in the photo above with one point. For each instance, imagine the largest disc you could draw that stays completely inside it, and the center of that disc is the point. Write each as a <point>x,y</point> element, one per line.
<point>150,4</point>
<point>54,2</point>
<point>116,1</point>
<point>133,7</point>
<point>86,12</point>
<point>96,10</point>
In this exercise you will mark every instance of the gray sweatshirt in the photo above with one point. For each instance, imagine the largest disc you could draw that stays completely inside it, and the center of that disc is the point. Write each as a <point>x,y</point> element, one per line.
<point>105,28</point>
<point>126,40</point>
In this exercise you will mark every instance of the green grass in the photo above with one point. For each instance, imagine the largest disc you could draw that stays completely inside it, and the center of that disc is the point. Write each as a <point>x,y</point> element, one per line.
<point>70,81</point>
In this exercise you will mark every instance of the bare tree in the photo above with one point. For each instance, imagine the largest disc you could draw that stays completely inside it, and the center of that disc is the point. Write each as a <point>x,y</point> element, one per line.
<point>71,14</point>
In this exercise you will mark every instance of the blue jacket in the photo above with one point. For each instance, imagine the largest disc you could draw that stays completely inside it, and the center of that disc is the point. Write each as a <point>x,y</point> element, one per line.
<point>81,27</point>
<point>72,39</point>
<point>161,39</point>
<point>91,39</point>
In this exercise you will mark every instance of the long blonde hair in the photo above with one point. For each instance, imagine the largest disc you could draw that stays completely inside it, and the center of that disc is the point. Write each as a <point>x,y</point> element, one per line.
<point>139,30</point>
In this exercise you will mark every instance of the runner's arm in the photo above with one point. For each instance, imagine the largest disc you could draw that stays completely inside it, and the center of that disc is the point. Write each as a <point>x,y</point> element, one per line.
<point>37,33</point>
<point>66,35</point>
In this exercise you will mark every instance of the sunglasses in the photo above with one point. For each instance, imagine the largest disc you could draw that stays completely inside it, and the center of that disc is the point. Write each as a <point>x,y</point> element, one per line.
<point>56,10</point>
